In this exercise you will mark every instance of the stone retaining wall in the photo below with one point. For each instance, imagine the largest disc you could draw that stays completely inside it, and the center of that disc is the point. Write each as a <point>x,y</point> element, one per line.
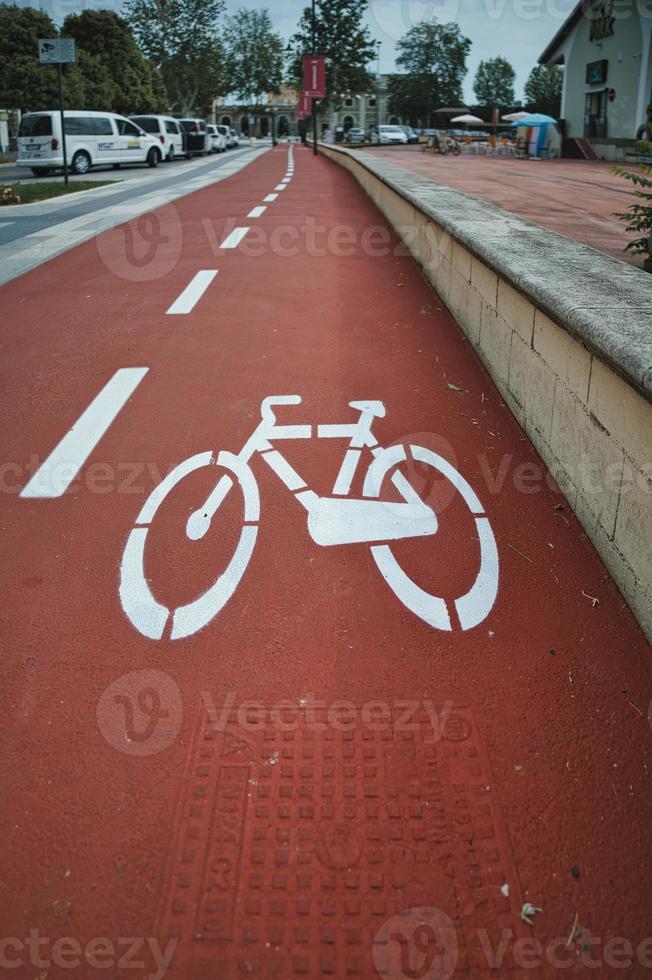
<point>566,334</point>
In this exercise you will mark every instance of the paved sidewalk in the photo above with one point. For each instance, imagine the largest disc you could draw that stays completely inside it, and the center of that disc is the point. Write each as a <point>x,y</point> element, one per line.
<point>577,198</point>
<point>268,734</point>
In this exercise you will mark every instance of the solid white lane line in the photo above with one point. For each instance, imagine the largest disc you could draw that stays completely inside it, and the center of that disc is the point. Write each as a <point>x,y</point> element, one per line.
<point>192,293</point>
<point>234,239</point>
<point>256,213</point>
<point>55,475</point>
<point>280,187</point>
<point>270,198</point>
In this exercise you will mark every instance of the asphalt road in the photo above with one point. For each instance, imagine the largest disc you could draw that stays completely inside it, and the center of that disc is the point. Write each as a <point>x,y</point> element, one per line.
<point>131,182</point>
<point>276,701</point>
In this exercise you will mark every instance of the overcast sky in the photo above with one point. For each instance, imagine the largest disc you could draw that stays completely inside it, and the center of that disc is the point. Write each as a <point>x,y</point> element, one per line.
<point>516,29</point>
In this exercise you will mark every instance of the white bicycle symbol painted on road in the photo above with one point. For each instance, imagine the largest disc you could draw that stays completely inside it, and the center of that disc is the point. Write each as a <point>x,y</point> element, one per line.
<point>335,520</point>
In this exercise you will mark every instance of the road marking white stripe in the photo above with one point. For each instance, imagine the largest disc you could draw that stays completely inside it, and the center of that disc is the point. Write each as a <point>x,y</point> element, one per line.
<point>55,475</point>
<point>234,239</point>
<point>193,292</point>
<point>270,197</point>
<point>280,187</point>
<point>286,180</point>
<point>256,213</point>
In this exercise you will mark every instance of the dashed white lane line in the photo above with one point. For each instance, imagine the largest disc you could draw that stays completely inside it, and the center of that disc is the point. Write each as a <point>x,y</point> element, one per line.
<point>256,213</point>
<point>270,198</point>
<point>234,239</point>
<point>280,187</point>
<point>286,180</point>
<point>55,475</point>
<point>192,293</point>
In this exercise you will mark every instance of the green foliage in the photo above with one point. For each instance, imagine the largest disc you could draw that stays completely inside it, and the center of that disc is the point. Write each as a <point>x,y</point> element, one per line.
<point>254,54</point>
<point>638,217</point>
<point>543,90</point>
<point>112,61</point>
<point>110,73</point>
<point>181,37</point>
<point>494,83</point>
<point>433,57</point>
<point>341,35</point>
<point>24,83</point>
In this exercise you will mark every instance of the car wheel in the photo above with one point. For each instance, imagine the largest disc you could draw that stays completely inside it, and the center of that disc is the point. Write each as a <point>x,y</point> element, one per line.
<point>81,162</point>
<point>41,171</point>
<point>153,158</point>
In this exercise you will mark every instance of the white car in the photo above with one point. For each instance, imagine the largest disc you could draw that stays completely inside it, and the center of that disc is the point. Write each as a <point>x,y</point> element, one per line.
<point>226,133</point>
<point>235,139</point>
<point>391,134</point>
<point>92,139</point>
<point>166,130</point>
<point>218,140</point>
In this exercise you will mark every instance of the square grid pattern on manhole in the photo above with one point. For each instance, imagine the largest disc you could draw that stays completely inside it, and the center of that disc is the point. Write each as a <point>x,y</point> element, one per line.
<point>297,841</point>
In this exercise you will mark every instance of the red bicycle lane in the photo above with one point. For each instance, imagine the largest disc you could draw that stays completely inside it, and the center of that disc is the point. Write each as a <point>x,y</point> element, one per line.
<point>284,840</point>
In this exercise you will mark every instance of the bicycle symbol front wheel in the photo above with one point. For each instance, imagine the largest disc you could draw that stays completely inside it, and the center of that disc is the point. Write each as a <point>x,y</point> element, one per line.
<point>473,607</point>
<point>144,612</point>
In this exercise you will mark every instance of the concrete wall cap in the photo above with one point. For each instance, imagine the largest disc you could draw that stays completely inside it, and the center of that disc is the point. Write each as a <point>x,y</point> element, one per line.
<point>603,302</point>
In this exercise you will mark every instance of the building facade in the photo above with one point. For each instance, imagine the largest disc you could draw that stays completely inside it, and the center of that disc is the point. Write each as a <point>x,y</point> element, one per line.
<point>355,111</point>
<point>279,110</point>
<point>604,48</point>
<point>363,111</point>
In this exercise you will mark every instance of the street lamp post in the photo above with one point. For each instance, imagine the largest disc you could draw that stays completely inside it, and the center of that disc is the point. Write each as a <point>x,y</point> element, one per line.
<point>314,101</point>
<point>378,44</point>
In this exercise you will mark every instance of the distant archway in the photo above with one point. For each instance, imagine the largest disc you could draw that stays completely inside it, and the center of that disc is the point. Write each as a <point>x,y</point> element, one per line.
<point>263,126</point>
<point>226,121</point>
<point>244,125</point>
<point>349,123</point>
<point>394,121</point>
<point>283,126</point>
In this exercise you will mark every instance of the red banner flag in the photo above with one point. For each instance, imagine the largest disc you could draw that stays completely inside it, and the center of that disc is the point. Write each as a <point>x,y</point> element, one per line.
<point>314,76</point>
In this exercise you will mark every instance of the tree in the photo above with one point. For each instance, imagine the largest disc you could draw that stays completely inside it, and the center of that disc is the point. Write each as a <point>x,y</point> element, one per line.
<point>254,54</point>
<point>24,83</point>
<point>342,37</point>
<point>181,38</point>
<point>494,83</point>
<point>433,57</point>
<point>543,90</point>
<point>109,58</point>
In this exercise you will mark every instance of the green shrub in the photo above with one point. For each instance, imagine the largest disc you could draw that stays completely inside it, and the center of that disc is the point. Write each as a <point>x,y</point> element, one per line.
<point>639,215</point>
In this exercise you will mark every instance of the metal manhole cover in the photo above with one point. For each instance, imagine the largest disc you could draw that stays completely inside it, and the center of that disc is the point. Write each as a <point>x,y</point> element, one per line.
<point>298,845</point>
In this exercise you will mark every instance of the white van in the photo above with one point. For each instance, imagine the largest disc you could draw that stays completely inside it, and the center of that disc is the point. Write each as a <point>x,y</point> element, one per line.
<point>166,130</point>
<point>92,139</point>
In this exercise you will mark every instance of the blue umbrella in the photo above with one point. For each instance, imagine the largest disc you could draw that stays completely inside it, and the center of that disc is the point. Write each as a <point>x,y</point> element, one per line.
<point>534,119</point>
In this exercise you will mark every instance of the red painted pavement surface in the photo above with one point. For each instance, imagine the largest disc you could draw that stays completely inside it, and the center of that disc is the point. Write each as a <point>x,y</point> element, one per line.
<point>292,839</point>
<point>576,198</point>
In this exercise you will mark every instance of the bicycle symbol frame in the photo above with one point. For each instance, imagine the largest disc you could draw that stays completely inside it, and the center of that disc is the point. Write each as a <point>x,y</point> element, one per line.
<point>335,520</point>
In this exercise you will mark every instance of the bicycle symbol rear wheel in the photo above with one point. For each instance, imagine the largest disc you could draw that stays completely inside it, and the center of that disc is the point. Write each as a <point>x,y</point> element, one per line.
<point>473,607</point>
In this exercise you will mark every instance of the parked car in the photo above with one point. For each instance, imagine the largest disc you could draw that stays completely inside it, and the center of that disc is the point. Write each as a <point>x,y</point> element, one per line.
<point>92,139</point>
<point>226,133</point>
<point>195,137</point>
<point>235,139</point>
<point>412,136</point>
<point>388,134</point>
<point>354,135</point>
<point>166,130</point>
<point>218,140</point>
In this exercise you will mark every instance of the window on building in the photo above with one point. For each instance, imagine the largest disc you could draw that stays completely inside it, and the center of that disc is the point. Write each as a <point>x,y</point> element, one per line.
<point>372,102</point>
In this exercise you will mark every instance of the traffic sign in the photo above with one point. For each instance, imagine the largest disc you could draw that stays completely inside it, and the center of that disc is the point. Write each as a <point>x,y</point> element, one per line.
<point>56,50</point>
